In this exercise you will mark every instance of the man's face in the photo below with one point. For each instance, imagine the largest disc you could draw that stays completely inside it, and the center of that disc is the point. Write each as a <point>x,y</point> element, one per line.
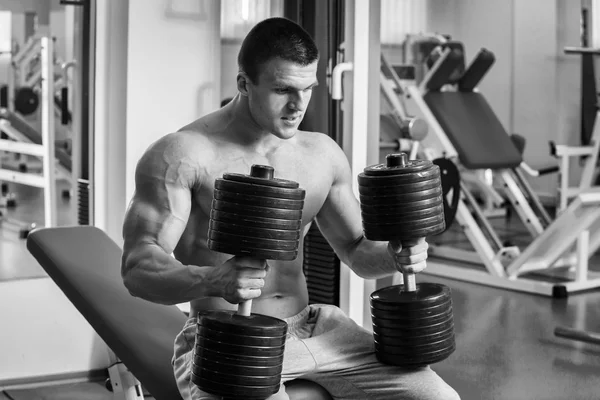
<point>279,99</point>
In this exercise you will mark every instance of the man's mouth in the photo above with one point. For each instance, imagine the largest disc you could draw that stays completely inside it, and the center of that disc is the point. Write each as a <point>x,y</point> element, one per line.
<point>291,119</point>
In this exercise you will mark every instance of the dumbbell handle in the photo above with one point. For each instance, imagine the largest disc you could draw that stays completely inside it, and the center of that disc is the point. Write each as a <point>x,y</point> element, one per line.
<point>410,283</point>
<point>245,308</point>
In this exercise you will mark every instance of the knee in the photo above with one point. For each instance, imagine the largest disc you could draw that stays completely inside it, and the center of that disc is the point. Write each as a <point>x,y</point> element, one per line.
<point>427,385</point>
<point>437,390</point>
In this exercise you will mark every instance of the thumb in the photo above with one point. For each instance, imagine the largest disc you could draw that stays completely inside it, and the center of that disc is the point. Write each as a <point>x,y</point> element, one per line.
<point>394,246</point>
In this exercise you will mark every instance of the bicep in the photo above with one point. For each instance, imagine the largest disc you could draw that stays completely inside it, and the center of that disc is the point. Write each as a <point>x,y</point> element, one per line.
<point>339,219</point>
<point>161,204</point>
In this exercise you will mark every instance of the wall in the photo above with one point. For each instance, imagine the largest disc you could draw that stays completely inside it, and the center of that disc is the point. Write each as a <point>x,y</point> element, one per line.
<point>43,336</point>
<point>229,67</point>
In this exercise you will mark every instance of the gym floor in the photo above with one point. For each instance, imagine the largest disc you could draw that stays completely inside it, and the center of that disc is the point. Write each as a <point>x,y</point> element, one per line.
<point>506,349</point>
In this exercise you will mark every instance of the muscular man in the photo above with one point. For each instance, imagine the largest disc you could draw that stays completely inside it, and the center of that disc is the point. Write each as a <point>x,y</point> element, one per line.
<point>169,213</point>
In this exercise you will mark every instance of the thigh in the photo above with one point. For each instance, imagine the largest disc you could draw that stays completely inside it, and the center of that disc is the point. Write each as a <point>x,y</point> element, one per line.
<point>373,380</point>
<point>337,342</point>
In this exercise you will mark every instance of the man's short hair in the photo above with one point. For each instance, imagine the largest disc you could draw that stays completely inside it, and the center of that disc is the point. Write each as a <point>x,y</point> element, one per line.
<point>275,38</point>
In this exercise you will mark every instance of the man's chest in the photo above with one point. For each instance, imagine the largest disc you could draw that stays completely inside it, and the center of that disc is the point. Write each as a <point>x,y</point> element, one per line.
<point>313,176</point>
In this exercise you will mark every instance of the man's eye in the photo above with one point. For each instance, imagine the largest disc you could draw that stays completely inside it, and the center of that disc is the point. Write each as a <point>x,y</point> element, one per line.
<point>281,91</point>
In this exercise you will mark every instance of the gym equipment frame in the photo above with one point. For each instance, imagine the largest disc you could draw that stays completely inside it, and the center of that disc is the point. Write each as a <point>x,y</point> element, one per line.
<point>468,132</point>
<point>46,150</point>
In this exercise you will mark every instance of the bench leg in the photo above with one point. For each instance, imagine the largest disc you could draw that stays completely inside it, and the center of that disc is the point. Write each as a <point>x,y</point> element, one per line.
<point>124,385</point>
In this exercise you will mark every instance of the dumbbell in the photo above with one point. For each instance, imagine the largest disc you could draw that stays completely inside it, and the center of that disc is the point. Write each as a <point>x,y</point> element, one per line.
<point>402,200</point>
<point>240,354</point>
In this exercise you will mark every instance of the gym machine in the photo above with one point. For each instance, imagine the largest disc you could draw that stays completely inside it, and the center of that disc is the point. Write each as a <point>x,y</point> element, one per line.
<point>467,132</point>
<point>20,143</point>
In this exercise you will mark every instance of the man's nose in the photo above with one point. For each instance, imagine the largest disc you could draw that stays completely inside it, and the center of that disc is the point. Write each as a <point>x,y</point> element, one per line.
<point>298,101</point>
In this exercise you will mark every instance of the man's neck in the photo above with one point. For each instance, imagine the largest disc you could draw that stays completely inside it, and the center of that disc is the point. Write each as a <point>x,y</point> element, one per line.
<point>244,130</point>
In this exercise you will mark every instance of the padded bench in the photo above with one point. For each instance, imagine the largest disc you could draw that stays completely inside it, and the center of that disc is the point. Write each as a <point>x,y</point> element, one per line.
<point>85,264</point>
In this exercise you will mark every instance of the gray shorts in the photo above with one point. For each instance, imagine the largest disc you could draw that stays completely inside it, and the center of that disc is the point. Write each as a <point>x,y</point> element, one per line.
<point>327,347</point>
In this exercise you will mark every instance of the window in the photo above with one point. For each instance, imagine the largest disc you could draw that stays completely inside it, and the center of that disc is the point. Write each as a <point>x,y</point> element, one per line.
<point>239,16</point>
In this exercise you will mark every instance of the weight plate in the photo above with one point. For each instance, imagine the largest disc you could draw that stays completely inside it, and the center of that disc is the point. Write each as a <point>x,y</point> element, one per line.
<point>412,331</point>
<point>263,254</point>
<point>415,349</point>
<point>273,182</point>
<point>257,222</point>
<point>411,322</point>
<point>232,348</point>
<point>410,340</point>
<point>226,377</point>
<point>254,324</point>
<point>244,340</point>
<point>237,368</point>
<point>381,204</point>
<point>415,360</point>
<point>415,234</point>
<point>408,313</point>
<point>398,200</point>
<point>400,188</point>
<point>246,199</point>
<point>382,212</point>
<point>402,216</point>
<point>254,211</point>
<point>426,294</point>
<point>244,230</point>
<point>405,227</point>
<point>237,359</point>
<point>410,167</point>
<point>393,180</point>
<point>236,391</point>
<point>260,190</point>
<point>391,310</point>
<point>248,241</point>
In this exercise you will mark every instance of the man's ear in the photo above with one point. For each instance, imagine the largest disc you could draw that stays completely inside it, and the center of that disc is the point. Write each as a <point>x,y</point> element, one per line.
<point>242,83</point>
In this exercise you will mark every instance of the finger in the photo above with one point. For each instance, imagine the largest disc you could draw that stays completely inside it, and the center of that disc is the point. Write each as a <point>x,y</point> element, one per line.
<point>253,273</point>
<point>413,268</point>
<point>250,262</point>
<point>249,293</point>
<point>413,247</point>
<point>409,259</point>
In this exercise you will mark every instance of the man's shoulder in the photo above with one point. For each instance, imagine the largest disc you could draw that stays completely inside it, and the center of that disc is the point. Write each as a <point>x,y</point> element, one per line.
<point>322,145</point>
<point>317,140</point>
<point>181,142</point>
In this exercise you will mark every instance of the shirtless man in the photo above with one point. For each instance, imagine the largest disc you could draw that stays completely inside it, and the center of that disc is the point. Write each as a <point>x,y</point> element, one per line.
<point>169,213</point>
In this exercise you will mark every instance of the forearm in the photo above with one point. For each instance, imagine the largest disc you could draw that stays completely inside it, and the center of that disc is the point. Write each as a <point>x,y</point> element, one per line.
<point>369,259</point>
<point>154,275</point>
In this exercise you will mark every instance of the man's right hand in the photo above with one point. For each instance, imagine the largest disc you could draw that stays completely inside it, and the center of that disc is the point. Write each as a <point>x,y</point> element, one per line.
<point>241,278</point>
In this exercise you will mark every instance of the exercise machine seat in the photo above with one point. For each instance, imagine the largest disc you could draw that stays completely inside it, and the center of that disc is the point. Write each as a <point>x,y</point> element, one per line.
<point>474,130</point>
<point>85,264</point>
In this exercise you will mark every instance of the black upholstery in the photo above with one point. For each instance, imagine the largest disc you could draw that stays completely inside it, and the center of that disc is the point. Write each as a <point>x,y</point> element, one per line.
<point>474,130</point>
<point>85,264</point>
